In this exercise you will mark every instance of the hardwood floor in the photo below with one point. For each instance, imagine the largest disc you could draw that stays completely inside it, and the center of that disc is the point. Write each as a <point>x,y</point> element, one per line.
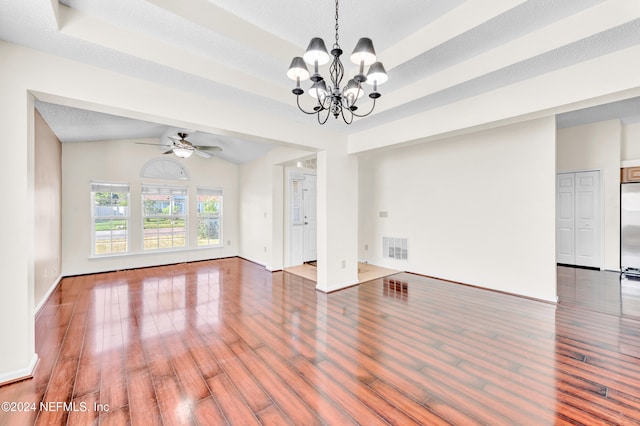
<point>366,272</point>
<point>226,342</point>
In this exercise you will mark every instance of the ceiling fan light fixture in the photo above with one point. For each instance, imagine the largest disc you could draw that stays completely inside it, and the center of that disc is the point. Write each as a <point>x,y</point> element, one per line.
<point>182,152</point>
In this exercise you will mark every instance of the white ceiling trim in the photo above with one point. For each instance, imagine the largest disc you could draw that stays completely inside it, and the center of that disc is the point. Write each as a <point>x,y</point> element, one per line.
<point>586,83</point>
<point>594,20</point>
<point>468,15</point>
<point>217,19</point>
<point>84,27</point>
<point>229,58</point>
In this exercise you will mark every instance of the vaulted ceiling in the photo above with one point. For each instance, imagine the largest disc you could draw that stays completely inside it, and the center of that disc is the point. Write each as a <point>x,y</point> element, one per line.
<point>436,52</point>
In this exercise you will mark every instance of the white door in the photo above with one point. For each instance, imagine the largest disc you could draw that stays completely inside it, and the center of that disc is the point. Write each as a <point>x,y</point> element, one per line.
<point>565,219</point>
<point>296,220</point>
<point>303,224</point>
<point>578,223</point>
<point>309,197</point>
<point>587,195</point>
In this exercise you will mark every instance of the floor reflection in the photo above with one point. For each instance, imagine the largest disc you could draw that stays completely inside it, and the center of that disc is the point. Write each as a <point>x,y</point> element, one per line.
<point>602,291</point>
<point>226,341</point>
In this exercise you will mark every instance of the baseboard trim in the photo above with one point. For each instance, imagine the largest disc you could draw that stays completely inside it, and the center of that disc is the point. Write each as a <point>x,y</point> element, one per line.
<point>342,287</point>
<point>248,259</point>
<point>22,374</point>
<point>523,296</point>
<point>46,297</point>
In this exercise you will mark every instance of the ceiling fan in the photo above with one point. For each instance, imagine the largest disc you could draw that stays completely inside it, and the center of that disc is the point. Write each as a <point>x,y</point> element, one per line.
<point>182,148</point>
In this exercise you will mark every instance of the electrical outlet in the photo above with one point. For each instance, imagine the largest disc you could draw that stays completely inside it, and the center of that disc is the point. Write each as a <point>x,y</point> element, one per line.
<point>265,249</point>
<point>366,247</point>
<point>344,264</point>
<point>228,242</point>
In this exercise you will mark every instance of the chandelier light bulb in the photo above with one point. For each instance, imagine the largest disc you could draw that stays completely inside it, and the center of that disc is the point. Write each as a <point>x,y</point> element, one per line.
<point>298,70</point>
<point>353,90</point>
<point>364,53</point>
<point>318,90</point>
<point>377,74</point>
<point>316,52</point>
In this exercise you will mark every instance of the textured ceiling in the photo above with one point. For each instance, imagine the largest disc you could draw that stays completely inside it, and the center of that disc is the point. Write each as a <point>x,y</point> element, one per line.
<point>79,125</point>
<point>436,52</point>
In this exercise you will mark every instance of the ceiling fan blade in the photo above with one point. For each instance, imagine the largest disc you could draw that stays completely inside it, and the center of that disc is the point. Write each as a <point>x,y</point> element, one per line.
<point>168,152</point>
<point>209,148</point>
<point>154,144</point>
<point>202,153</point>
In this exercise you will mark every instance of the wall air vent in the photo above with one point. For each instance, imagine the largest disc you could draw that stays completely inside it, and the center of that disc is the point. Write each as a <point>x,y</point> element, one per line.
<point>394,248</point>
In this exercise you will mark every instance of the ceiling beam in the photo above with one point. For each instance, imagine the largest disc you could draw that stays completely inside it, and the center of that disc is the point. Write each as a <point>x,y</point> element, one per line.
<point>608,78</point>
<point>95,31</point>
<point>219,20</point>
<point>597,19</point>
<point>55,5</point>
<point>463,18</point>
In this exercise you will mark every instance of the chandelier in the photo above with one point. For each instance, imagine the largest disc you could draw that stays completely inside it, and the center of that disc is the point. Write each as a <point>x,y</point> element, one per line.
<point>331,98</point>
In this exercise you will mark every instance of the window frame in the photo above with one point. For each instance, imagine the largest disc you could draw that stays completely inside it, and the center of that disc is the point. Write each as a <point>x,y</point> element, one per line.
<point>218,192</point>
<point>112,187</point>
<point>171,192</point>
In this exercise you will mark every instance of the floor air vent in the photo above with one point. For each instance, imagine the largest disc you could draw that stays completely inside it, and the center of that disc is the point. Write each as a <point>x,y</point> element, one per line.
<point>394,248</point>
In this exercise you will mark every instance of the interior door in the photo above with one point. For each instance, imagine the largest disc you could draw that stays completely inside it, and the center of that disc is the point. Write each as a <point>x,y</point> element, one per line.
<point>587,202</point>
<point>578,219</point>
<point>309,197</point>
<point>296,221</point>
<point>565,219</point>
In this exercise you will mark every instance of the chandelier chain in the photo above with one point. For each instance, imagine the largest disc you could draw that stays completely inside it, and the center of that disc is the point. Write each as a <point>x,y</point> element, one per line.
<point>337,45</point>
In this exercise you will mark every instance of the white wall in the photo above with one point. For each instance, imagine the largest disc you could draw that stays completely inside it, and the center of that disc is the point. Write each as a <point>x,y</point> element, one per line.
<point>337,218</point>
<point>122,161</point>
<point>17,357</point>
<point>261,184</point>
<point>477,209</point>
<point>630,149</point>
<point>47,210</point>
<point>596,146</point>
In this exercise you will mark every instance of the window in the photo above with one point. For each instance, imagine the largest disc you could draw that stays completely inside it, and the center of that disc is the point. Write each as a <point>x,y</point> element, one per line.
<point>164,211</point>
<point>110,218</point>
<point>296,198</point>
<point>209,216</point>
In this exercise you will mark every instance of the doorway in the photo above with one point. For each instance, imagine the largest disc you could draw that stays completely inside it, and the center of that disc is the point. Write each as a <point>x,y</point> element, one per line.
<point>579,219</point>
<point>303,224</point>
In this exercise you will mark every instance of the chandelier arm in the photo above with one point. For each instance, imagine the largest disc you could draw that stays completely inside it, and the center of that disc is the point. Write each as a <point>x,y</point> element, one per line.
<point>303,110</point>
<point>345,118</point>
<point>326,117</point>
<point>370,111</point>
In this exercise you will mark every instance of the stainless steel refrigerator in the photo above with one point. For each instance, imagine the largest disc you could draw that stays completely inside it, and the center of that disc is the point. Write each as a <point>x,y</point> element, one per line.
<point>630,228</point>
